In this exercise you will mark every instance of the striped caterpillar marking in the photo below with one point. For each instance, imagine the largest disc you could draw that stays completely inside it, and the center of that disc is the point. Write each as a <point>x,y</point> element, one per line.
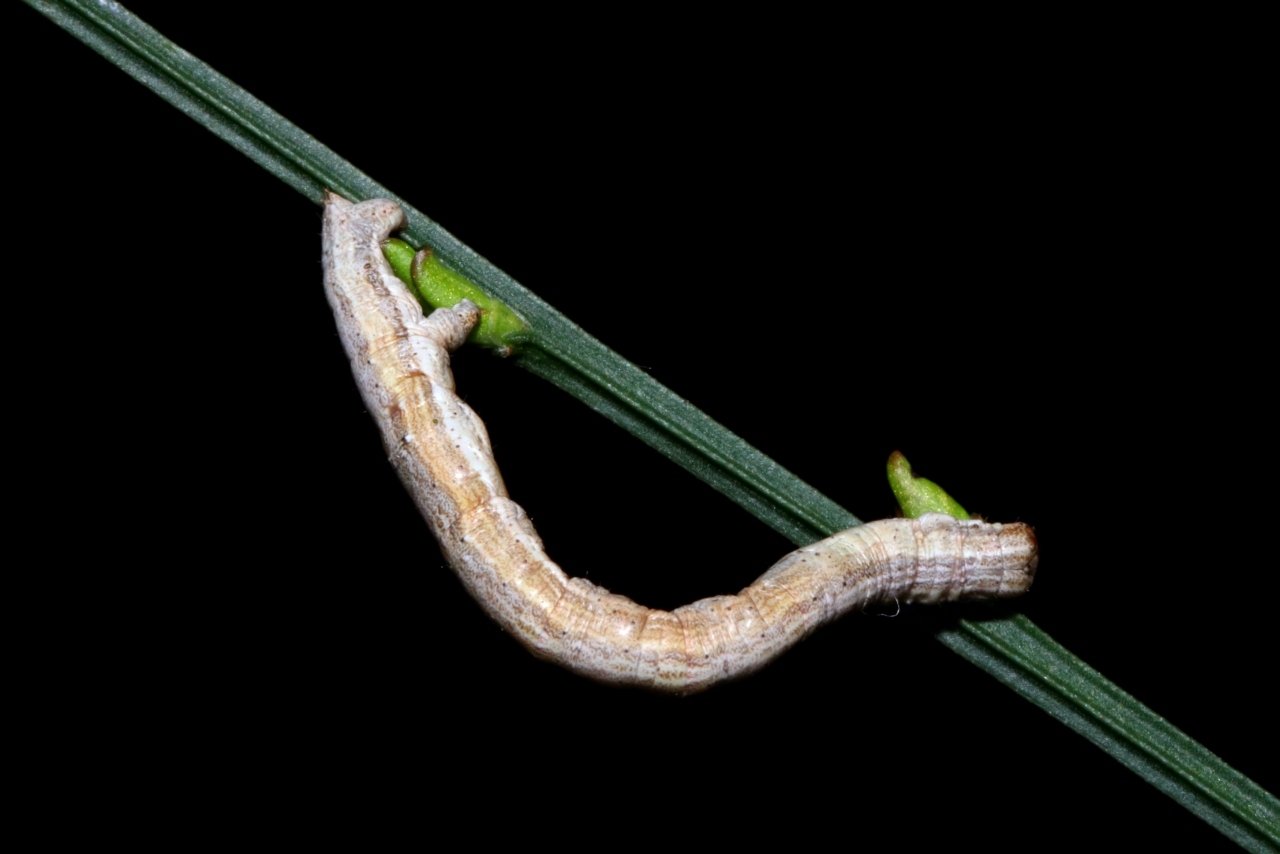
<point>441,450</point>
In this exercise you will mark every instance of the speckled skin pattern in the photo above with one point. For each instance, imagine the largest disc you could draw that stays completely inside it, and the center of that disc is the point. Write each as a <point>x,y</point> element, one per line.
<point>441,450</point>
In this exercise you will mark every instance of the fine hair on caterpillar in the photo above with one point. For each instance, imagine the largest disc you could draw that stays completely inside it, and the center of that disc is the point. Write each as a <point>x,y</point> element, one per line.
<point>441,450</point>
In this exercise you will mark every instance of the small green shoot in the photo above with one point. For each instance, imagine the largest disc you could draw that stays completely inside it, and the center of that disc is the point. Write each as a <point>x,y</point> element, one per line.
<point>400,257</point>
<point>916,495</point>
<point>436,286</point>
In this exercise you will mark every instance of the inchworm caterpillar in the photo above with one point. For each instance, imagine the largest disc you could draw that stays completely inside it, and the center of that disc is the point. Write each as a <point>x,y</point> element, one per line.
<point>441,450</point>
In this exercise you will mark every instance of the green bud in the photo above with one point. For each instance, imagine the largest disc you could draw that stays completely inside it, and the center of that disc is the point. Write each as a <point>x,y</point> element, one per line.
<point>916,495</point>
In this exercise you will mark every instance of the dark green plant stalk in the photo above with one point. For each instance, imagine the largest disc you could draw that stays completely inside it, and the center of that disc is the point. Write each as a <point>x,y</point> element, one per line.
<point>1013,649</point>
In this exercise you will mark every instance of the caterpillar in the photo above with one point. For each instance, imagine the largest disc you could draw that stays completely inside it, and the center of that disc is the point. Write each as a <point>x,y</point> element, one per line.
<point>441,450</point>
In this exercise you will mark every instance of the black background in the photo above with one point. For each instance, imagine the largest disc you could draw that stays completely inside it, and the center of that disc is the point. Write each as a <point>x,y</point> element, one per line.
<point>1035,286</point>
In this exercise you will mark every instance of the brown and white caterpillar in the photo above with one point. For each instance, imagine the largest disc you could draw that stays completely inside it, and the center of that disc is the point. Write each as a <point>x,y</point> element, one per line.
<point>441,450</point>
